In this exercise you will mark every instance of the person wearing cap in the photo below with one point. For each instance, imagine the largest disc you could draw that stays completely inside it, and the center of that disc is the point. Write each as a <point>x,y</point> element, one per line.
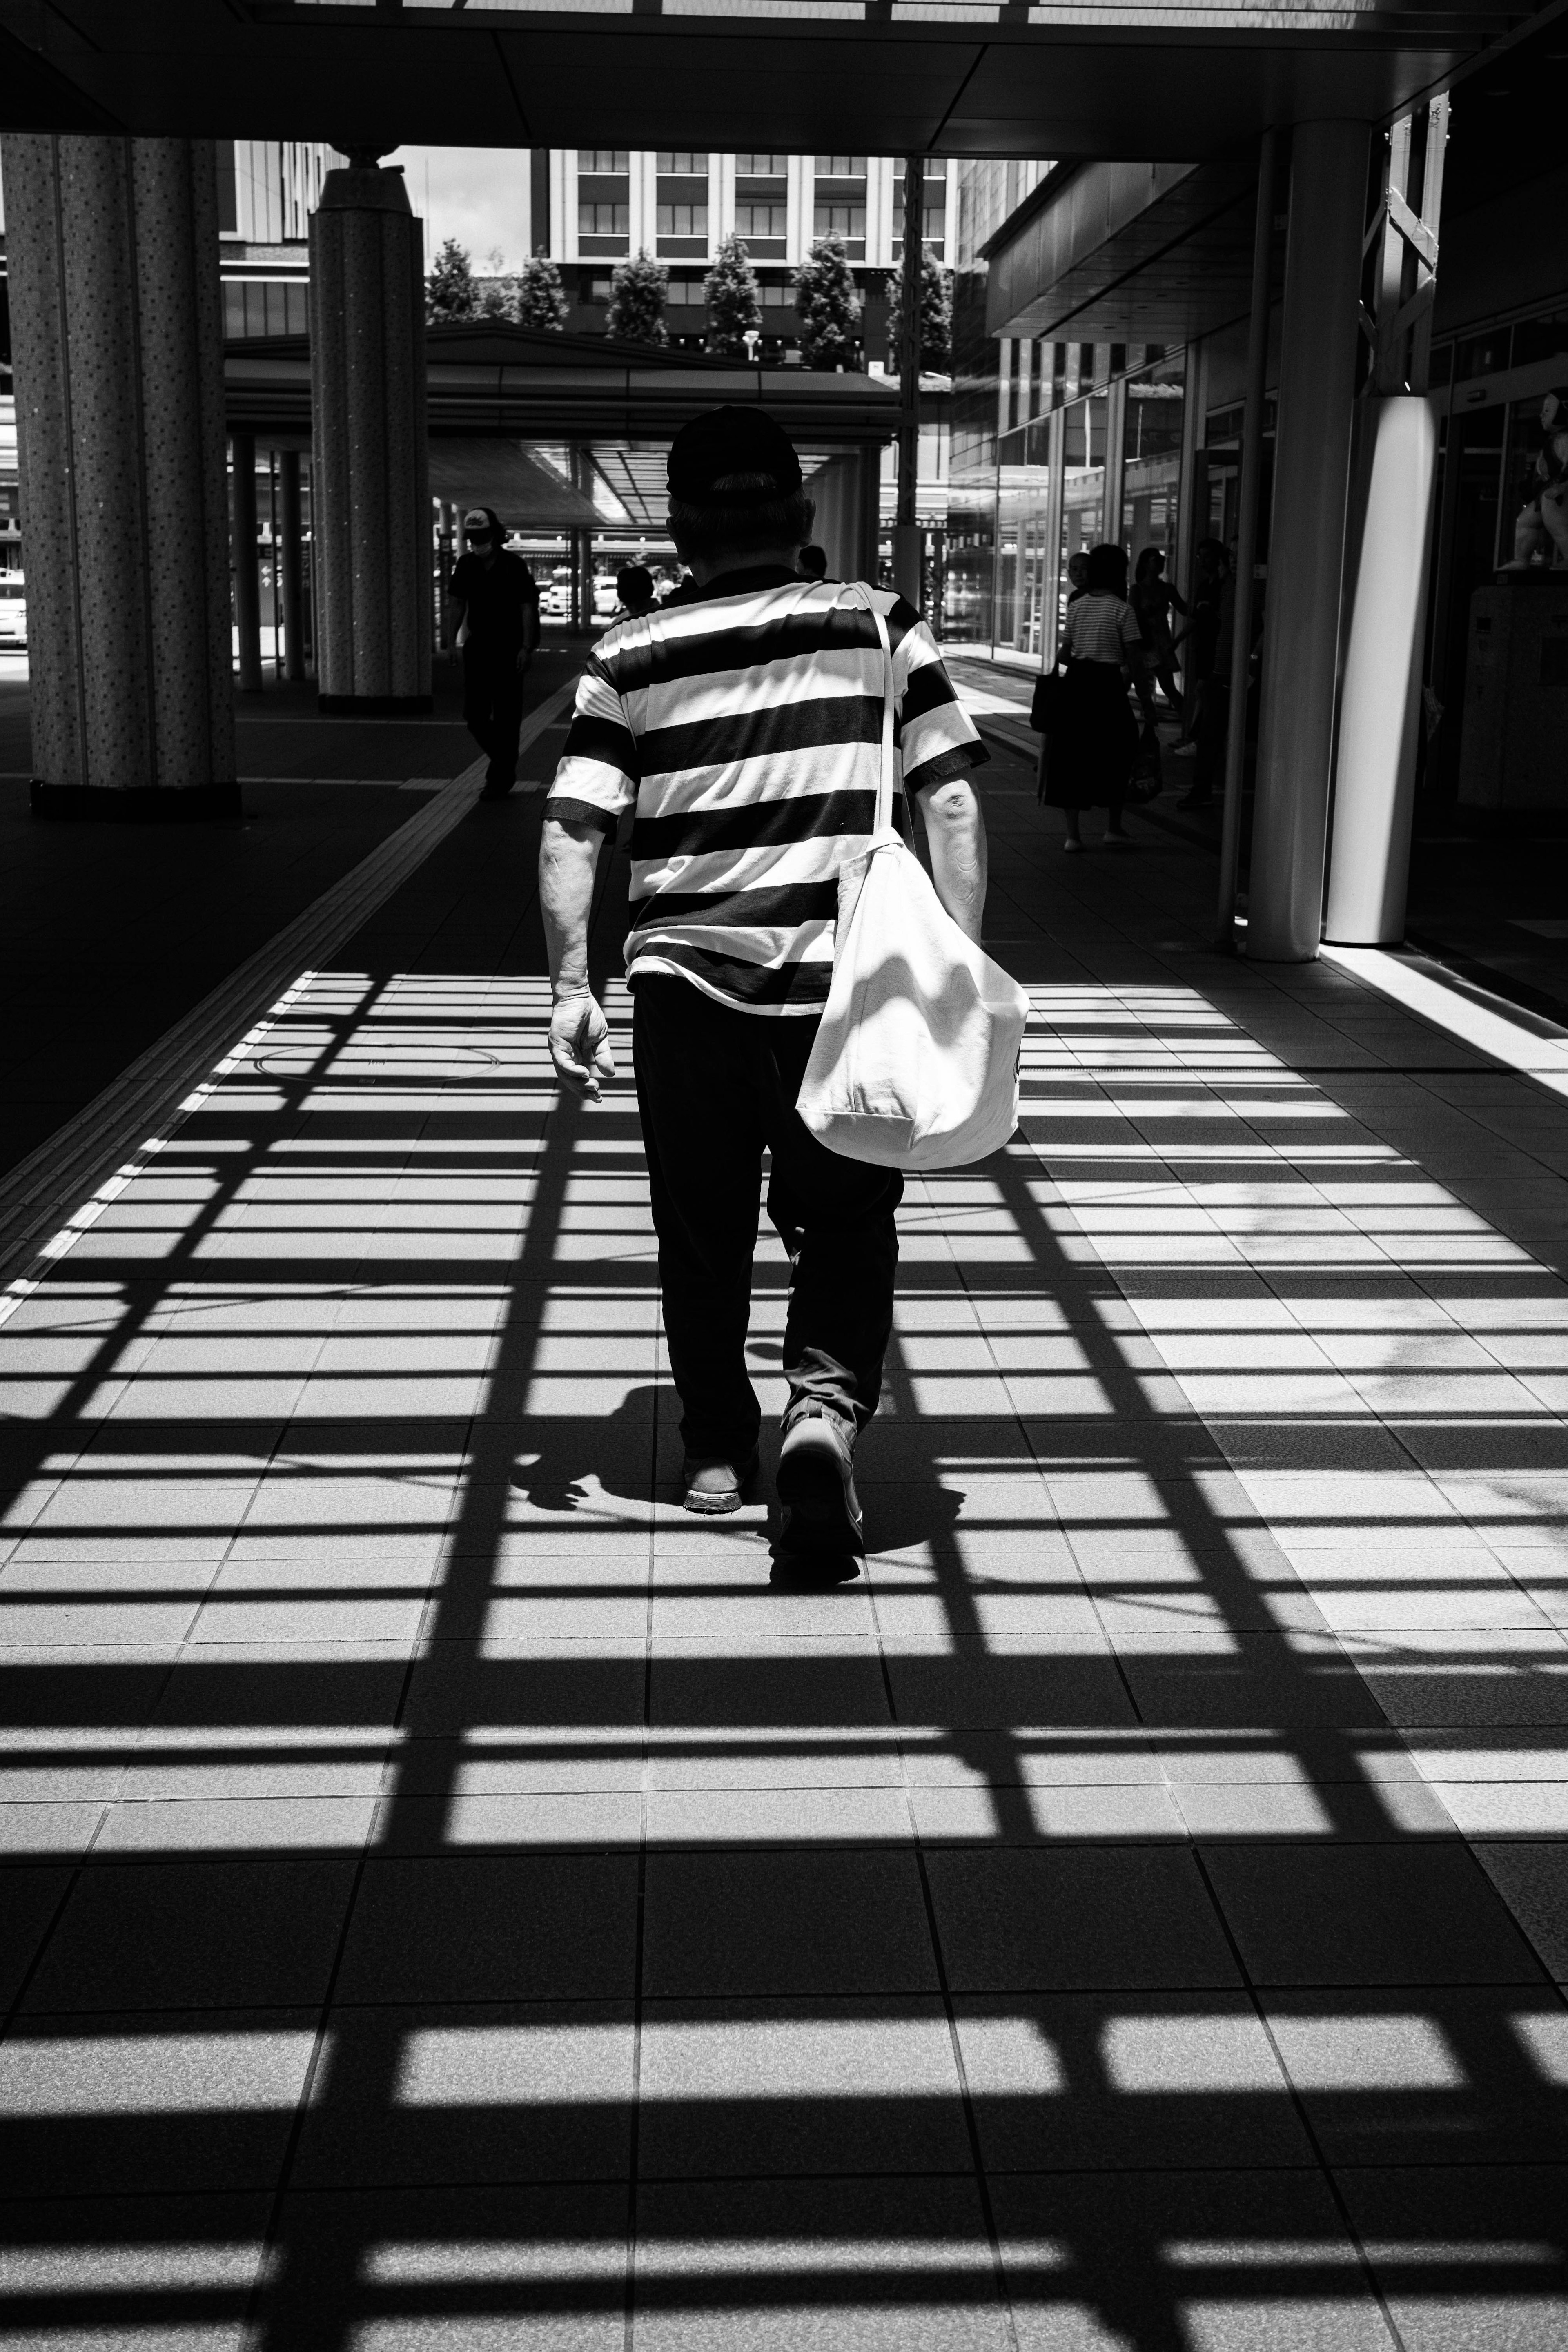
<point>495,601</point>
<point>742,728</point>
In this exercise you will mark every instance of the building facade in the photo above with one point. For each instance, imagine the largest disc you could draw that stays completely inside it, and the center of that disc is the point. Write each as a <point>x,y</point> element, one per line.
<point>590,208</point>
<point>267,189</point>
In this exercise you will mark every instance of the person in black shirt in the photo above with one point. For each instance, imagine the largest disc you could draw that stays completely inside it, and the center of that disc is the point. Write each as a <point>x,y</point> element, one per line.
<point>495,601</point>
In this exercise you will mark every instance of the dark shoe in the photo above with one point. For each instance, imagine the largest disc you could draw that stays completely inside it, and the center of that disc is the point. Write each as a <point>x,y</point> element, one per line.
<point>713,1487</point>
<point>819,1509</point>
<point>497,790</point>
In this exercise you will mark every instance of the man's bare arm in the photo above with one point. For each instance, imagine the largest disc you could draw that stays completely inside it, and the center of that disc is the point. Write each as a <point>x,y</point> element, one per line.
<point>955,834</point>
<point>579,1033</point>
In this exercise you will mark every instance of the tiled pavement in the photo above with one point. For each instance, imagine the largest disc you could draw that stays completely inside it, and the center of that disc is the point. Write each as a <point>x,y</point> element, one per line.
<point>454,1899</point>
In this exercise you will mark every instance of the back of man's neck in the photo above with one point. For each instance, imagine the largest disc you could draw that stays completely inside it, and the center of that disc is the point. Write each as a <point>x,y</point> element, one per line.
<point>705,569</point>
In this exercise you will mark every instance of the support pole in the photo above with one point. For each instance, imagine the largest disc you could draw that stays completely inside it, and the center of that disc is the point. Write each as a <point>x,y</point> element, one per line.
<point>1306,552</point>
<point>1115,461</point>
<point>907,550</point>
<point>290,569</point>
<point>1389,555</point>
<point>1246,538</point>
<point>246,576</point>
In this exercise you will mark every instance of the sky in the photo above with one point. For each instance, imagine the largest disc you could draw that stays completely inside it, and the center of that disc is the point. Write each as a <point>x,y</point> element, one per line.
<point>477,194</point>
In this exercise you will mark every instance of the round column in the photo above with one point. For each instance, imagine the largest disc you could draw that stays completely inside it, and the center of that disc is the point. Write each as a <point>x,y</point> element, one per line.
<point>1307,540</point>
<point>370,481</point>
<point>117,341</point>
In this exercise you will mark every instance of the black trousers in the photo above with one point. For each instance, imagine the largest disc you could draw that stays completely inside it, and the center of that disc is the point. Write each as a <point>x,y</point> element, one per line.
<point>492,709</point>
<point>715,1086</point>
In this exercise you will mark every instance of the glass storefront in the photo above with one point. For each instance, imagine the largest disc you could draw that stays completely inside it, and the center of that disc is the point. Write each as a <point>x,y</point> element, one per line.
<point>1152,458</point>
<point>1013,528</point>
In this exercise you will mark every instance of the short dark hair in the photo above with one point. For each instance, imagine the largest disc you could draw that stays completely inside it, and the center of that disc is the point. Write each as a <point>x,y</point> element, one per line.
<point>1107,570</point>
<point>784,521</point>
<point>1147,561</point>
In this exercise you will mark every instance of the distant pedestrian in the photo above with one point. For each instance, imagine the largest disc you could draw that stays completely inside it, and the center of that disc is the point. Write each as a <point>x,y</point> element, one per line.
<point>1077,575</point>
<point>635,591</point>
<point>1152,598</point>
<point>814,563</point>
<point>1094,736</point>
<point>495,600</point>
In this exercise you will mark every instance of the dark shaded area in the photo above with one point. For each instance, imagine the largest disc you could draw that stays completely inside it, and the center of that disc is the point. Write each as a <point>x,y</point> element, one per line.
<point>110,934</point>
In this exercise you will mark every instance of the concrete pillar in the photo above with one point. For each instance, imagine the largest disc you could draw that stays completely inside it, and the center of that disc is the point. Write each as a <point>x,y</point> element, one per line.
<point>291,571</point>
<point>1380,702</point>
<point>117,341</point>
<point>371,489</point>
<point>1306,547</point>
<point>247,577</point>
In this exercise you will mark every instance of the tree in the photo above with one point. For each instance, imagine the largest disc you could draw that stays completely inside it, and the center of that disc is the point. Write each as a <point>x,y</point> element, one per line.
<point>734,306</point>
<point>498,298</point>
<point>541,297</point>
<point>936,313</point>
<point>449,289</point>
<point>827,304</point>
<point>639,290</point>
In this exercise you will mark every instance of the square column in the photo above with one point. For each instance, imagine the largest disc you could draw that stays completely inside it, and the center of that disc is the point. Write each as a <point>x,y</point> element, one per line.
<point>117,336</point>
<point>370,455</point>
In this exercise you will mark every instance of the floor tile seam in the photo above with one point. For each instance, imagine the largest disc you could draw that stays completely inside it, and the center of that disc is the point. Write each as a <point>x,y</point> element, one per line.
<point>1000,2288</point>
<point>1304,2122</point>
<point>14,2006</point>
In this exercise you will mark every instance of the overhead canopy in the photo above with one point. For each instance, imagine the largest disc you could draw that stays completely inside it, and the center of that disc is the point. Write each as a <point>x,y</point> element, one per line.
<point>494,380</point>
<point>1166,78</point>
<point>1127,253</point>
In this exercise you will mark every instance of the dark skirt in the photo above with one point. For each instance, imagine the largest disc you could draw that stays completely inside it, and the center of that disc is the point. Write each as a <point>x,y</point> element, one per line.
<point>1087,756</point>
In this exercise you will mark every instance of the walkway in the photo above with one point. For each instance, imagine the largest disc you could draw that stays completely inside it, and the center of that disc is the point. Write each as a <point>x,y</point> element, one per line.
<point>457,1900</point>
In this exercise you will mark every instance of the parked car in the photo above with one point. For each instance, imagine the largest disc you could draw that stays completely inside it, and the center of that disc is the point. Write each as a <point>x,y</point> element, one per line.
<point>13,610</point>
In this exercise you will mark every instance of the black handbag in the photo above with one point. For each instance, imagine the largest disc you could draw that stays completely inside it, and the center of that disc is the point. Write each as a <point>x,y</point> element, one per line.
<point>1045,704</point>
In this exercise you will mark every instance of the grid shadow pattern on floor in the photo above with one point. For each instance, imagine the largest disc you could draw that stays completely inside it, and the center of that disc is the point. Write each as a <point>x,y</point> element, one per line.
<point>454,1897</point>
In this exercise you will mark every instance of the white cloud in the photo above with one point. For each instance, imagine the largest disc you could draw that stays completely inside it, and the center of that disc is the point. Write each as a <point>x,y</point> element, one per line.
<point>477,194</point>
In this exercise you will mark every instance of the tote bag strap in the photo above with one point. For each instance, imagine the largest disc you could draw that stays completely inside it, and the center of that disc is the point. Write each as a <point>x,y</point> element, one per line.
<point>859,593</point>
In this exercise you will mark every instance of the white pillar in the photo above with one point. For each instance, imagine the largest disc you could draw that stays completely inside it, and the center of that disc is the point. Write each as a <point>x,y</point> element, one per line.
<point>116,339</point>
<point>1380,702</point>
<point>1306,548</point>
<point>371,504</point>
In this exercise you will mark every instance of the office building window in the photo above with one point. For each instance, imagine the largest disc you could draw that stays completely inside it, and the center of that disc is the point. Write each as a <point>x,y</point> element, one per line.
<point>677,162</point>
<point>847,221</point>
<point>761,220</point>
<point>682,220</point>
<point>603,159</point>
<point>603,220</point>
<point>841,167</point>
<point>252,307</point>
<point>762,167</point>
<point>776,294</point>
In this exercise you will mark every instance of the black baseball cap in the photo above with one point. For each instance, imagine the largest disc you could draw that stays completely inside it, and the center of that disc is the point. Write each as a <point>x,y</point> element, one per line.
<point>731,440</point>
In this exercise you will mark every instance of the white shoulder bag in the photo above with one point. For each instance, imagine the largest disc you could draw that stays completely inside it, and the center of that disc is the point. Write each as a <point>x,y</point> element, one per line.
<point>916,1062</point>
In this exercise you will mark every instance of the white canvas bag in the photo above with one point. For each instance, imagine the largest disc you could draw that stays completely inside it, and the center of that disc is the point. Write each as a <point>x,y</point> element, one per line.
<point>916,1062</point>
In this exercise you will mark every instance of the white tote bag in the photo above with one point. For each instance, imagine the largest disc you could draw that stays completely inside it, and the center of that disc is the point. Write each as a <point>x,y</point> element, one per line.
<point>916,1062</point>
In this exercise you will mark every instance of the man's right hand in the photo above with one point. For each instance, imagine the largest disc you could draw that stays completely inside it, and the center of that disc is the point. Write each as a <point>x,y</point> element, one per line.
<point>579,1046</point>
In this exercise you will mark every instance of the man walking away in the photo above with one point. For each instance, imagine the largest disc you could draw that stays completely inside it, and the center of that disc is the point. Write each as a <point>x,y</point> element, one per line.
<point>495,600</point>
<point>744,725</point>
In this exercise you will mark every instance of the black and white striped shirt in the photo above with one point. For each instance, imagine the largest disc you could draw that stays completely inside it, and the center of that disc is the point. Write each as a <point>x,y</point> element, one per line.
<point>744,726</point>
